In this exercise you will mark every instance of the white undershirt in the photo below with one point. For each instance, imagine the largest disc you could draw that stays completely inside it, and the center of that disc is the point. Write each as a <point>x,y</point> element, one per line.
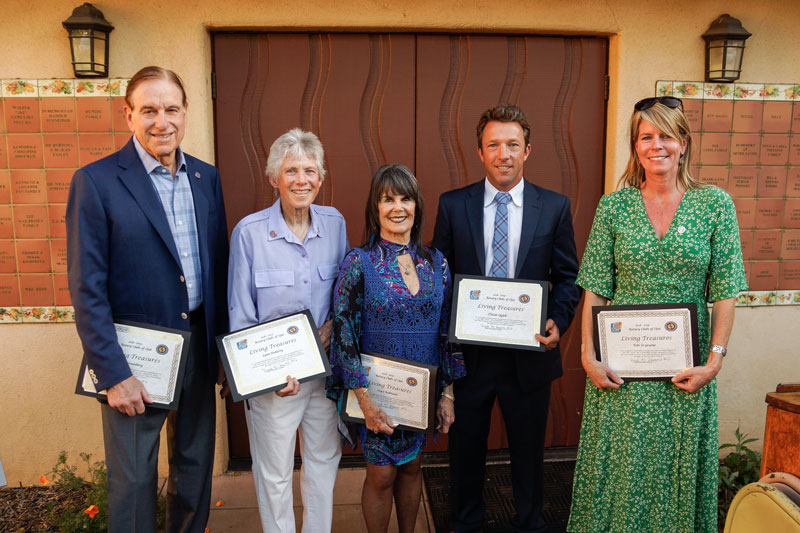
<point>514,223</point>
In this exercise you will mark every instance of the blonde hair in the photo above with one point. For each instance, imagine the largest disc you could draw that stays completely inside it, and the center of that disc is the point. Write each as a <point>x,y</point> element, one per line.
<point>673,123</point>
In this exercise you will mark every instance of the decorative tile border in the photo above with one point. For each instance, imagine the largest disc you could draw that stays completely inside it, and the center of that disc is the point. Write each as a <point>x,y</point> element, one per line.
<point>687,89</point>
<point>20,88</point>
<point>779,92</point>
<point>748,91</point>
<point>36,315</point>
<point>10,315</point>
<point>64,87</point>
<point>718,91</point>
<point>788,298</point>
<point>90,87</point>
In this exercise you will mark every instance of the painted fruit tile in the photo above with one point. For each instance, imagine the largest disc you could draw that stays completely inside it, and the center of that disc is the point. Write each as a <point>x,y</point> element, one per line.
<point>57,87</point>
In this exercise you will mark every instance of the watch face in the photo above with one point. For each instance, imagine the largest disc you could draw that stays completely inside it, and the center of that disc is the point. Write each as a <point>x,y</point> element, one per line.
<point>719,349</point>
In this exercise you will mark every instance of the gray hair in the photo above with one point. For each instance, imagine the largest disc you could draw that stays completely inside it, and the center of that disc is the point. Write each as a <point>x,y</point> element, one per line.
<point>295,142</point>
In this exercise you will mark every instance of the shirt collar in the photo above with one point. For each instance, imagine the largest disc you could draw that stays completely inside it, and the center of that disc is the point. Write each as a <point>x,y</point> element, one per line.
<point>151,163</point>
<point>278,229</point>
<point>490,191</point>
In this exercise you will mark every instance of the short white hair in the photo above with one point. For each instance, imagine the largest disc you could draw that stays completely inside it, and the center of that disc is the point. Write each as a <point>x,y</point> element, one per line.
<point>295,142</point>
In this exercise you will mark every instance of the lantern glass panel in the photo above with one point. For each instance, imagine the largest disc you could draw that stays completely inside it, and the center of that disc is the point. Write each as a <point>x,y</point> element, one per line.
<point>733,55</point>
<point>715,49</point>
<point>99,51</point>
<point>81,45</point>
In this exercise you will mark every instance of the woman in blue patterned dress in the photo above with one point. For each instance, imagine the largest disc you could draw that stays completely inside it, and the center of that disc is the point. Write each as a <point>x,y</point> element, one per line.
<point>647,459</point>
<point>393,298</point>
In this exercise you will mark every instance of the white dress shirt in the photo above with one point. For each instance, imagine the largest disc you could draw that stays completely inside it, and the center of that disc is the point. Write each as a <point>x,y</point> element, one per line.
<point>514,223</point>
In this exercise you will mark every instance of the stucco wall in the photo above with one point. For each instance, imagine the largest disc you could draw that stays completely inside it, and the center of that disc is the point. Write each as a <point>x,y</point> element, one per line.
<point>39,415</point>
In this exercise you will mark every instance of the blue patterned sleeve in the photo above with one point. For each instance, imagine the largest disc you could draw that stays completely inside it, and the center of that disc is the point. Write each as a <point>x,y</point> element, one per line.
<point>345,355</point>
<point>451,361</point>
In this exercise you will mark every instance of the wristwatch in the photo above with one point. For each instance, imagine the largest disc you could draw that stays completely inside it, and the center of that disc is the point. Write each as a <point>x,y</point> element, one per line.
<point>716,348</point>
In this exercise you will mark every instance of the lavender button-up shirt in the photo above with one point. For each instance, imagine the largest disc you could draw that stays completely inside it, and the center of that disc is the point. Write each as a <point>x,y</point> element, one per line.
<point>272,274</point>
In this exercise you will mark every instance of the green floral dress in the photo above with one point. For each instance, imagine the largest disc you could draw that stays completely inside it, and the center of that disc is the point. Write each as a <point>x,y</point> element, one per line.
<point>647,460</point>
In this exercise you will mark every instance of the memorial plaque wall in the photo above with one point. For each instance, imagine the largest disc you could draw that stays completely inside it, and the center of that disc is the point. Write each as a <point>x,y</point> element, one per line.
<point>48,129</point>
<point>747,139</point>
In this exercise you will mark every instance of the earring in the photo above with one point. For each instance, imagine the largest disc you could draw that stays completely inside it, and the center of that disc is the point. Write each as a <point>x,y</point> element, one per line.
<point>680,161</point>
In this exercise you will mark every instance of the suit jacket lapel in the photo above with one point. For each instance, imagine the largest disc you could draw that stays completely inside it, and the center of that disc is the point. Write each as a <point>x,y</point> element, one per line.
<point>136,180</point>
<point>200,211</point>
<point>531,209</point>
<point>474,208</point>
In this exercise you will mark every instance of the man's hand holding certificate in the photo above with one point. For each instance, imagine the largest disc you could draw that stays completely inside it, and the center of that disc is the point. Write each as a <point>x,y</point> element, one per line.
<point>156,357</point>
<point>498,312</point>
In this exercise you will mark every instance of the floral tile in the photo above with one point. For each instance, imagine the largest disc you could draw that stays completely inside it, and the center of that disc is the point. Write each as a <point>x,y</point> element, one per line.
<point>748,91</point>
<point>790,92</point>
<point>20,88</point>
<point>62,87</point>
<point>10,315</point>
<point>772,92</point>
<point>38,314</point>
<point>117,86</point>
<point>65,314</point>
<point>663,88</point>
<point>91,87</point>
<point>763,297</point>
<point>718,91</point>
<point>788,298</point>
<point>688,89</point>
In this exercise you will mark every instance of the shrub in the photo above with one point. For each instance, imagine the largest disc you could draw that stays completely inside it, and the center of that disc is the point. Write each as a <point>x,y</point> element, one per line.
<point>737,469</point>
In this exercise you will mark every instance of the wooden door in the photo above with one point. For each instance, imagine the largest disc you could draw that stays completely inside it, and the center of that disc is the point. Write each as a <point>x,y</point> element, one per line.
<point>413,99</point>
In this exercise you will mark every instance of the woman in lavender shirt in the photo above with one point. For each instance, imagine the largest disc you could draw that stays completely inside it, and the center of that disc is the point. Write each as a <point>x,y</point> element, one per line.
<point>285,259</point>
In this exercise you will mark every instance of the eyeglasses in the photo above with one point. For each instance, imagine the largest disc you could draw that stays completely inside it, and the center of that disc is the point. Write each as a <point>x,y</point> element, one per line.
<point>647,103</point>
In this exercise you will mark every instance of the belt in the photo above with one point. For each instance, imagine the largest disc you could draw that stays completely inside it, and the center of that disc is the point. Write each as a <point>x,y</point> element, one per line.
<point>197,315</point>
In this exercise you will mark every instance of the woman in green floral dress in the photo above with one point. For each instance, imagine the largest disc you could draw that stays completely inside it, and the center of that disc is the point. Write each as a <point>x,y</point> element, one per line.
<point>647,460</point>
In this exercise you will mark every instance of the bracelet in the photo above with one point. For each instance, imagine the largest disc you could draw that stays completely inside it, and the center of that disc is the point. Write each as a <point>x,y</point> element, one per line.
<point>449,396</point>
<point>716,348</point>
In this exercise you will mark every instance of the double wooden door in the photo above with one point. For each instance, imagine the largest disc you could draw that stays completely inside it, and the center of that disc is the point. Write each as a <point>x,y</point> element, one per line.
<point>413,99</point>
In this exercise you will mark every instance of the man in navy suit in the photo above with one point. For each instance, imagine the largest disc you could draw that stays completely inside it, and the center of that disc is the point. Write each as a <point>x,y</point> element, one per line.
<point>147,241</point>
<point>539,244</point>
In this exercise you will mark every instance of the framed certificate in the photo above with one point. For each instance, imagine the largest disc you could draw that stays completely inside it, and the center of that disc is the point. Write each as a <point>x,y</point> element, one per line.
<point>156,356</point>
<point>647,342</point>
<point>499,312</point>
<point>258,359</point>
<point>405,390</point>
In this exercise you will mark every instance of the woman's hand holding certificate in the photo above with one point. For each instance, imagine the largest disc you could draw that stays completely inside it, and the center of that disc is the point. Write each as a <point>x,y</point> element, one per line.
<point>258,359</point>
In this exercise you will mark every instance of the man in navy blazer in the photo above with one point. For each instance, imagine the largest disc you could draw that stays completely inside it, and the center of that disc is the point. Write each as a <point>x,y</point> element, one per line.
<point>147,242</point>
<point>540,246</point>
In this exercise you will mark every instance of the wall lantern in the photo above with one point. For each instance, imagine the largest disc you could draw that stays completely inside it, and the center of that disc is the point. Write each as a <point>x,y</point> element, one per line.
<point>88,39</point>
<point>724,49</point>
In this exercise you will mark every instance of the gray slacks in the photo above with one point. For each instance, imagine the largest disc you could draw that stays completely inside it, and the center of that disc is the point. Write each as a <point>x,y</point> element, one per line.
<point>131,447</point>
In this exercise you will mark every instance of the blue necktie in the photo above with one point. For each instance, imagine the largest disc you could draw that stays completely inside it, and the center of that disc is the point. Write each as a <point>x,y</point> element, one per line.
<point>500,240</point>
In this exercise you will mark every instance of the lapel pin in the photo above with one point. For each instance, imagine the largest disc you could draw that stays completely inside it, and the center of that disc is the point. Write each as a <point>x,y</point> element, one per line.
<point>273,234</point>
<point>197,175</point>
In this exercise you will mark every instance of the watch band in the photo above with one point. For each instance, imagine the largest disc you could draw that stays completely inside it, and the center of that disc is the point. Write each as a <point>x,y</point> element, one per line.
<point>716,348</point>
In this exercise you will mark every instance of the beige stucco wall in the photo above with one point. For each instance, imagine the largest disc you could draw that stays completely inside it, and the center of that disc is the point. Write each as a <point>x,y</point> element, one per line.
<point>39,415</point>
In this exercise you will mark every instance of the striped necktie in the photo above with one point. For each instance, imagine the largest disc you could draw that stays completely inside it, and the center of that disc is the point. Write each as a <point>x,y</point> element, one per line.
<point>500,240</point>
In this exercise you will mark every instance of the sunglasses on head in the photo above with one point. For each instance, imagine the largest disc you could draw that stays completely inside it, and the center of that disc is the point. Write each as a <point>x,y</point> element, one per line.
<point>647,103</point>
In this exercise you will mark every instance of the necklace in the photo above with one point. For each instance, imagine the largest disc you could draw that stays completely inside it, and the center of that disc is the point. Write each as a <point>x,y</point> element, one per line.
<point>406,269</point>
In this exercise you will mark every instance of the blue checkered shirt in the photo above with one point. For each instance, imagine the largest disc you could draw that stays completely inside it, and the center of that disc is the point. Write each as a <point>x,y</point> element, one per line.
<point>178,203</point>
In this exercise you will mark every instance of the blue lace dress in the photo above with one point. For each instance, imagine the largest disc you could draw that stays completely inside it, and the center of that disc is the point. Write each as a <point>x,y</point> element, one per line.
<point>375,312</point>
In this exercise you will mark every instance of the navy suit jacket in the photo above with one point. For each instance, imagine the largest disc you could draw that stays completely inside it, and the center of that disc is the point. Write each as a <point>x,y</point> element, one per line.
<point>546,252</point>
<point>123,263</point>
